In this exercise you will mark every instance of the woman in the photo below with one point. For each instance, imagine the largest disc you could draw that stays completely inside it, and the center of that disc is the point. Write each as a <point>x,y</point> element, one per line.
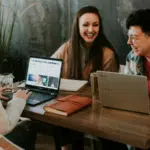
<point>21,133</point>
<point>88,50</point>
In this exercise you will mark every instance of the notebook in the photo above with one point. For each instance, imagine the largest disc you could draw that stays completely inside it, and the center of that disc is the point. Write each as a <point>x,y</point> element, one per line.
<point>43,79</point>
<point>5,144</point>
<point>122,91</point>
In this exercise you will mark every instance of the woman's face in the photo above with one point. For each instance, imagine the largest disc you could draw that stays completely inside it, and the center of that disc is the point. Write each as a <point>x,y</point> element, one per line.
<point>89,25</point>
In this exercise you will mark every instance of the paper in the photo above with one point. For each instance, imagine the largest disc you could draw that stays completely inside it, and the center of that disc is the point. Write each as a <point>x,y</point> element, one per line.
<point>21,85</point>
<point>72,85</point>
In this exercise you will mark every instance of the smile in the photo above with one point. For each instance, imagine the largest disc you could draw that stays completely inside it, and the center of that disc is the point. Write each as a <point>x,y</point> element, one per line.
<point>90,35</point>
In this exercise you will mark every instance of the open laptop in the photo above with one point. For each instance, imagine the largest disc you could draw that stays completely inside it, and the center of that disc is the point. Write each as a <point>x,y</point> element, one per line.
<point>43,79</point>
<point>122,91</point>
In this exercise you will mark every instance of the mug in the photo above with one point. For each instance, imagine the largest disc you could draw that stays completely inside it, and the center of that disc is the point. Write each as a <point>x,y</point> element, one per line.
<point>94,85</point>
<point>6,80</point>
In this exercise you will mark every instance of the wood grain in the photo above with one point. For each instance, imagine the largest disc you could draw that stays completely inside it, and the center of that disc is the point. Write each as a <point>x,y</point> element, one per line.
<point>122,126</point>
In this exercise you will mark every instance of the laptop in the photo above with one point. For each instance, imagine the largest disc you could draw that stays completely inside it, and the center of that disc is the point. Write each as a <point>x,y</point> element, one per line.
<point>122,91</point>
<point>43,79</point>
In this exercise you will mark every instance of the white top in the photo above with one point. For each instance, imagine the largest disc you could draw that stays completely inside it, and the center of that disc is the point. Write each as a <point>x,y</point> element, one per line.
<point>10,116</point>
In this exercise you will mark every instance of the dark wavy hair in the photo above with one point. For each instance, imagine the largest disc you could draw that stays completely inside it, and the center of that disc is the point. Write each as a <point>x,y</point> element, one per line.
<point>96,50</point>
<point>140,18</point>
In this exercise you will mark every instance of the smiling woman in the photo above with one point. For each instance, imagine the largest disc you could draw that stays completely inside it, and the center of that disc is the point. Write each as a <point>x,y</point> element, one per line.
<point>89,28</point>
<point>87,51</point>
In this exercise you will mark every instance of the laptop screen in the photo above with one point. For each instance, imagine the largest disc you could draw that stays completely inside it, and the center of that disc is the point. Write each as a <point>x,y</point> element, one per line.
<point>44,73</point>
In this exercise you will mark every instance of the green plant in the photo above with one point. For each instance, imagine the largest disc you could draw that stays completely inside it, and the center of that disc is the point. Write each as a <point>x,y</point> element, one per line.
<point>7,21</point>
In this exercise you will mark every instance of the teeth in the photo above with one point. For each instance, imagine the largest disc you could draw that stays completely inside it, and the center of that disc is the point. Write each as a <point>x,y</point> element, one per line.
<point>89,34</point>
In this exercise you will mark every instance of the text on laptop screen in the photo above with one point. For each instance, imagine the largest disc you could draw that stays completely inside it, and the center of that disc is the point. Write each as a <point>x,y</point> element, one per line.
<point>44,73</point>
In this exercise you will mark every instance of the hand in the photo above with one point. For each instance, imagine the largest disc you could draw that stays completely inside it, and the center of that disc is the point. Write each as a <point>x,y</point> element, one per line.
<point>3,89</point>
<point>24,94</point>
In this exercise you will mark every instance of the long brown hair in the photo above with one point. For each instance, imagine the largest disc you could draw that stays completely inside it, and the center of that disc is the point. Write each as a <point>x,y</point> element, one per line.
<point>96,50</point>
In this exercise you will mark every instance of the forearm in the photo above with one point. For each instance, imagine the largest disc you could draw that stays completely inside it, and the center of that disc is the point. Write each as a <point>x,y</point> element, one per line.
<point>10,116</point>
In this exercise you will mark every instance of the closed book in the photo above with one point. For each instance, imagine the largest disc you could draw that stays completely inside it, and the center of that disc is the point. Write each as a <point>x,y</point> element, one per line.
<point>68,105</point>
<point>5,144</point>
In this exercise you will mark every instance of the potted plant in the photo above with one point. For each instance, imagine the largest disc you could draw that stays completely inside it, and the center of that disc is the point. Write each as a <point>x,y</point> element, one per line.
<point>8,17</point>
<point>7,21</point>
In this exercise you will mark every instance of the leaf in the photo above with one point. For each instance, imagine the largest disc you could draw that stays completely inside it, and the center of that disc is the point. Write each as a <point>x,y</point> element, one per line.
<point>7,23</point>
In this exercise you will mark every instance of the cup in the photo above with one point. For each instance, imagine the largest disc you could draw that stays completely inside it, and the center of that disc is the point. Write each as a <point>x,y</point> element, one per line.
<point>94,86</point>
<point>6,80</point>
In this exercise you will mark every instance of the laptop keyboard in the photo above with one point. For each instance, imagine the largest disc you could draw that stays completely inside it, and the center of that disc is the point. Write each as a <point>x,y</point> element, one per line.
<point>34,98</point>
<point>39,96</point>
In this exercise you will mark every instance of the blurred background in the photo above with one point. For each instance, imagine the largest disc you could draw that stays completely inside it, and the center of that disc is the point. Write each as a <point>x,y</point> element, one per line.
<point>41,26</point>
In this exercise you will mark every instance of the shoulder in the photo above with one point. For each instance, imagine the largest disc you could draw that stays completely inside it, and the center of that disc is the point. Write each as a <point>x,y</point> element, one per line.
<point>64,47</point>
<point>62,50</point>
<point>108,53</point>
<point>109,60</point>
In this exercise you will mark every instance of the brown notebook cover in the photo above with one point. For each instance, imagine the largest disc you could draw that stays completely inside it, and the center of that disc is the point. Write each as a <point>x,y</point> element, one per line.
<point>5,144</point>
<point>68,105</point>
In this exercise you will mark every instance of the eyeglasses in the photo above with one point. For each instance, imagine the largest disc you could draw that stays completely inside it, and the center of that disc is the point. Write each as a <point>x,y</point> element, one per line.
<point>133,37</point>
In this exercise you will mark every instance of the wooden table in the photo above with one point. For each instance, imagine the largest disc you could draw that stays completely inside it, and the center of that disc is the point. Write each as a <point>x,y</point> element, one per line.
<point>122,126</point>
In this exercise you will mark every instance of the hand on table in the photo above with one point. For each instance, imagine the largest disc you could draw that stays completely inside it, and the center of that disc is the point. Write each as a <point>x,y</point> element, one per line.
<point>24,94</point>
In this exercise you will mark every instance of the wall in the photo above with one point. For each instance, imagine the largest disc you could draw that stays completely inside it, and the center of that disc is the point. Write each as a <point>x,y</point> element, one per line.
<point>43,25</point>
<point>114,14</point>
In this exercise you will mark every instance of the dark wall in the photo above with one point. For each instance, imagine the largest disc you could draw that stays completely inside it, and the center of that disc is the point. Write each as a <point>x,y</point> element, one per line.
<point>42,26</point>
<point>114,14</point>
